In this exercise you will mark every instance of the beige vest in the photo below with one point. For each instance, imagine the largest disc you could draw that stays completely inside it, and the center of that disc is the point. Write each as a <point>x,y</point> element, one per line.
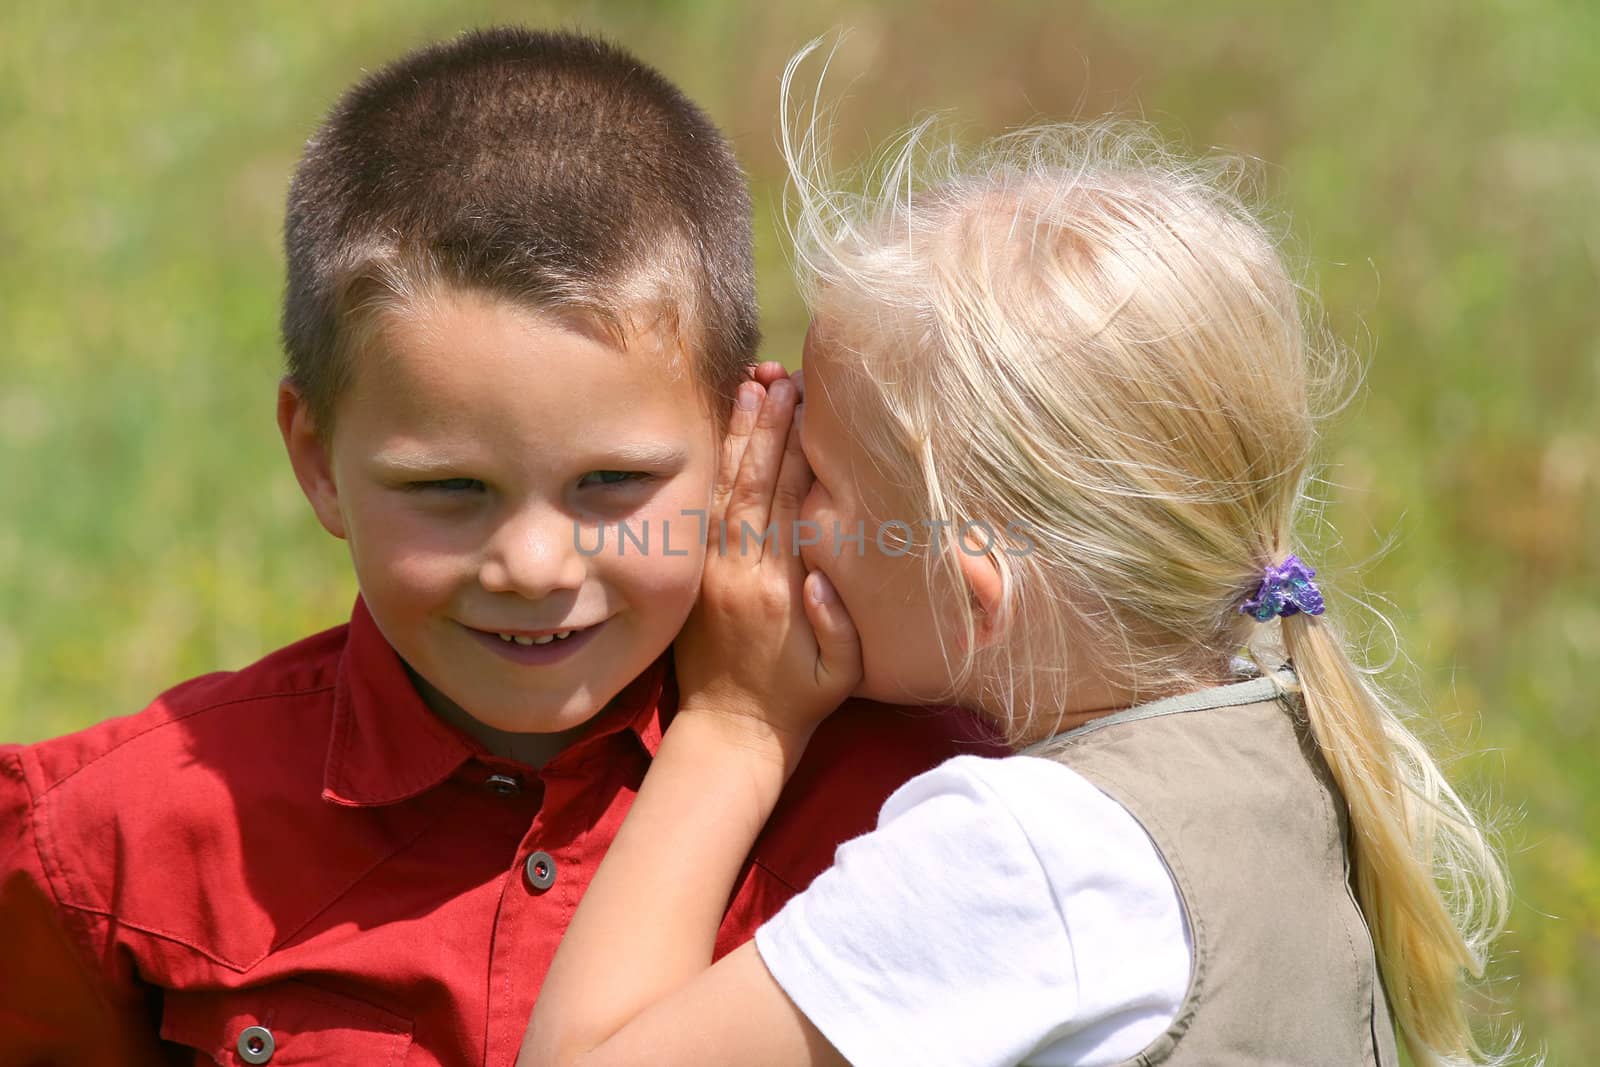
<point>1231,788</point>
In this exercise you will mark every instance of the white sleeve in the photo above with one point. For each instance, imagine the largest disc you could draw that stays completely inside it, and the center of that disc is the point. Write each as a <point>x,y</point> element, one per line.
<point>950,935</point>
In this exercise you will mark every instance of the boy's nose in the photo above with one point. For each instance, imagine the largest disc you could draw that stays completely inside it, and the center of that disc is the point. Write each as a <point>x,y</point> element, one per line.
<point>532,556</point>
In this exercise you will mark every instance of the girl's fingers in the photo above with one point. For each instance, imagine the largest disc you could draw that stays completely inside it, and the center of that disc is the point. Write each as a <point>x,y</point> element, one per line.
<point>838,645</point>
<point>768,372</point>
<point>750,502</point>
<point>789,493</point>
<point>741,424</point>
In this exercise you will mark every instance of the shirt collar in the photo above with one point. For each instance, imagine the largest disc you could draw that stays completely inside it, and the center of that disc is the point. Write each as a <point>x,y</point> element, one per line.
<point>642,710</point>
<point>387,746</point>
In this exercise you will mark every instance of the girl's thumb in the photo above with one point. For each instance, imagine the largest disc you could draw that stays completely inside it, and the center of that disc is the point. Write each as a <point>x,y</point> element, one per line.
<point>838,646</point>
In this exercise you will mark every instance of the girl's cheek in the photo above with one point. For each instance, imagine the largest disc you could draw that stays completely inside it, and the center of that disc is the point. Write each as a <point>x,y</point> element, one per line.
<point>816,518</point>
<point>817,507</point>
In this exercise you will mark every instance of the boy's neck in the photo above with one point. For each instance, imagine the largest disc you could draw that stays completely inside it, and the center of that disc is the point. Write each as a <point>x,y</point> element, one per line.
<point>535,750</point>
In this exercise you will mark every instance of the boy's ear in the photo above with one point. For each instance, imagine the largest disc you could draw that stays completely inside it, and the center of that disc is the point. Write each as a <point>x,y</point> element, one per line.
<point>308,455</point>
<point>986,587</point>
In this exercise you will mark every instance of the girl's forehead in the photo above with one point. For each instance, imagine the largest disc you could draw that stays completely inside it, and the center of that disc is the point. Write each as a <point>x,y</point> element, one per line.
<point>826,372</point>
<point>829,390</point>
<point>838,440</point>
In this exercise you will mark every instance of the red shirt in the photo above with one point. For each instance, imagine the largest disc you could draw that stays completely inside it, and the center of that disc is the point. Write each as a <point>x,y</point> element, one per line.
<point>302,846</point>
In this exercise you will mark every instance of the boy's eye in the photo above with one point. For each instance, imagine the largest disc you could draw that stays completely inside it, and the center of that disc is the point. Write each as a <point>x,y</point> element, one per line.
<point>446,485</point>
<point>612,477</point>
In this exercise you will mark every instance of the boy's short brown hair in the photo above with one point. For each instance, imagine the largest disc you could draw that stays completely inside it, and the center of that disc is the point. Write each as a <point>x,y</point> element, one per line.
<point>550,168</point>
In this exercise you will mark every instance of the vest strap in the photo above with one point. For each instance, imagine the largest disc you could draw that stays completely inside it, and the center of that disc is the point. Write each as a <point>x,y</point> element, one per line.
<point>1250,691</point>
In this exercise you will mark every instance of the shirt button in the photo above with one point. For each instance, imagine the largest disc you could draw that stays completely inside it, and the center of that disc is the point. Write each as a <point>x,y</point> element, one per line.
<point>541,871</point>
<point>256,1044</point>
<point>503,784</point>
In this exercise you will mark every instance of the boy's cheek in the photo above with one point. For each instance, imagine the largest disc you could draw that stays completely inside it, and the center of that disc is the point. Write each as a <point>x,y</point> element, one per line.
<point>669,573</point>
<point>665,579</point>
<point>677,523</point>
<point>394,558</point>
<point>393,526</point>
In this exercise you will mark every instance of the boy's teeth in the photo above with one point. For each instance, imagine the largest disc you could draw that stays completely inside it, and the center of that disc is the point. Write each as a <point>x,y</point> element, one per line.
<point>559,635</point>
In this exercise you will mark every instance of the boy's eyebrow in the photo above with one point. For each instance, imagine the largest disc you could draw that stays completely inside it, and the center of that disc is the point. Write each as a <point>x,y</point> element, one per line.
<point>646,453</point>
<point>402,462</point>
<point>642,453</point>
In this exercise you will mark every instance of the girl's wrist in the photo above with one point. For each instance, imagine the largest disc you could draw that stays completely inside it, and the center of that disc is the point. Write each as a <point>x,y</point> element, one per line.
<point>744,736</point>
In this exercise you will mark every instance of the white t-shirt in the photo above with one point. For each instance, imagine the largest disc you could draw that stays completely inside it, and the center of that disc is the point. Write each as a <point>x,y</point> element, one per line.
<point>1004,912</point>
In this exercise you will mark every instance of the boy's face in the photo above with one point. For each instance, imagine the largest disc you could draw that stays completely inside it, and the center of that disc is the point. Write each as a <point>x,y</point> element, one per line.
<point>480,454</point>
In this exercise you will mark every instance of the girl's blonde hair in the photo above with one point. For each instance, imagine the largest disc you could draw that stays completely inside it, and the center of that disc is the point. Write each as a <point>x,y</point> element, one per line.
<point>1075,336</point>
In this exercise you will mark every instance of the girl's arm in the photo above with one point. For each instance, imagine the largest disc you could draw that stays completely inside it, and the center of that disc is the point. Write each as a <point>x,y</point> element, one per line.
<point>767,654</point>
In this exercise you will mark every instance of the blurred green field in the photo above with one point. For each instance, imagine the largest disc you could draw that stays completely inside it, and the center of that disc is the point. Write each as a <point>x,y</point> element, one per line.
<point>1439,162</point>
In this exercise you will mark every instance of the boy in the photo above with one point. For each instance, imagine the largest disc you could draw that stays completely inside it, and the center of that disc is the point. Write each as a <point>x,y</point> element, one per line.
<point>520,300</point>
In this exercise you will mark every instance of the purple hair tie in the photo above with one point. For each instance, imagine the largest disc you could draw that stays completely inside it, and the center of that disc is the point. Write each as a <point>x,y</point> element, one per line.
<point>1287,589</point>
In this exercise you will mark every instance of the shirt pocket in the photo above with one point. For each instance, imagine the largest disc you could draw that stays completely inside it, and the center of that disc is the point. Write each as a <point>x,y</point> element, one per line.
<point>284,1024</point>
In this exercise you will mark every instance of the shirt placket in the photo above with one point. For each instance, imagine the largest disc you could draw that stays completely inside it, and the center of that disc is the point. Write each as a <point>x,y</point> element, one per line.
<point>554,863</point>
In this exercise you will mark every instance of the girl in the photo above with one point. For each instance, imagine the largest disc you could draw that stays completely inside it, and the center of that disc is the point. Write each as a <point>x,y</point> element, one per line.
<point>1058,406</point>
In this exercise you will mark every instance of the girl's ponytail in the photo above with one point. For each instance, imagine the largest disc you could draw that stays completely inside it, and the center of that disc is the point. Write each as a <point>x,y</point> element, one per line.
<point>1429,883</point>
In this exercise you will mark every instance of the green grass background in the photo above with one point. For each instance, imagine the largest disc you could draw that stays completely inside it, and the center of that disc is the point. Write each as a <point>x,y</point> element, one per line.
<point>1440,163</point>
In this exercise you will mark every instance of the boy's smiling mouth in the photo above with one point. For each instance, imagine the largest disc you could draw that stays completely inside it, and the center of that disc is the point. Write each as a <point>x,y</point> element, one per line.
<point>536,646</point>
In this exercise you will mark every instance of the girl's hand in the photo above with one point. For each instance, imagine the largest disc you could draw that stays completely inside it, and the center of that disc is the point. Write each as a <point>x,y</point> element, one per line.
<point>767,647</point>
